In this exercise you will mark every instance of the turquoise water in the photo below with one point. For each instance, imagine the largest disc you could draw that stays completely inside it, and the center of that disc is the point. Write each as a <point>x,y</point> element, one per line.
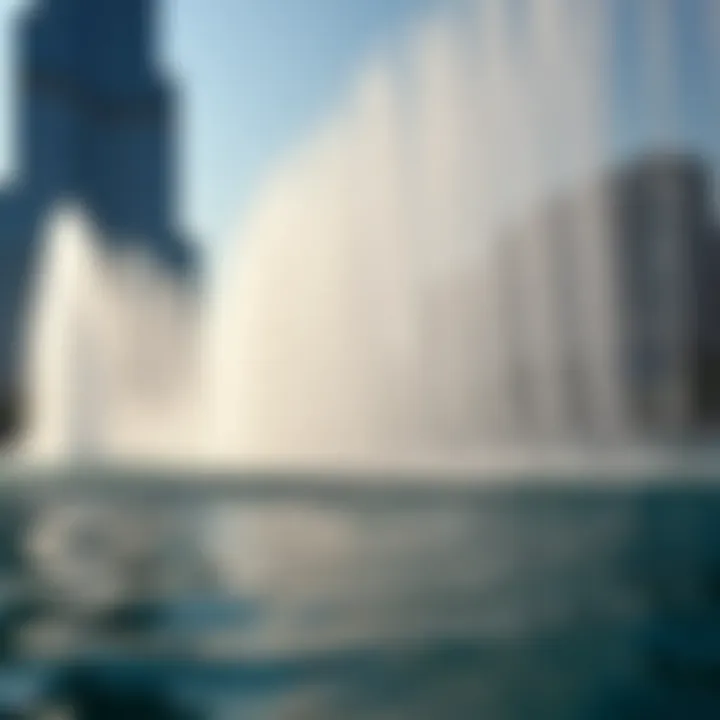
<point>241,598</point>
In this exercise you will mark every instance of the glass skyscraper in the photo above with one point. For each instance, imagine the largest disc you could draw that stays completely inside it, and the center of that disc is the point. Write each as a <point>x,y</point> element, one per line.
<point>95,125</point>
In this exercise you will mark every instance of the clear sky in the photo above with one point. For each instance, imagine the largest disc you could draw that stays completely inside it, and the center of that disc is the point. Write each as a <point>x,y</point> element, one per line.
<point>256,75</point>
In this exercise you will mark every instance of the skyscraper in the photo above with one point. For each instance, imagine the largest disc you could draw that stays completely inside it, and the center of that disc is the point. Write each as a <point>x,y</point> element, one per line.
<point>95,125</point>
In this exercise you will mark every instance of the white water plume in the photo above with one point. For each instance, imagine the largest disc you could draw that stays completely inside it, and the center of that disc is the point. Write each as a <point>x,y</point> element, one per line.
<point>407,283</point>
<point>111,367</point>
<point>370,308</point>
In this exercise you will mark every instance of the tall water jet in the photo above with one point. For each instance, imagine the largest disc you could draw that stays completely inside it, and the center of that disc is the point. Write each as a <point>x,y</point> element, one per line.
<point>64,361</point>
<point>112,366</point>
<point>292,379</point>
<point>155,351</point>
<point>441,188</point>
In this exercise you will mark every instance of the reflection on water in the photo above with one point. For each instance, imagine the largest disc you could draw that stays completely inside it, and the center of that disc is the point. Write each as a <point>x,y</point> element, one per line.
<point>521,601</point>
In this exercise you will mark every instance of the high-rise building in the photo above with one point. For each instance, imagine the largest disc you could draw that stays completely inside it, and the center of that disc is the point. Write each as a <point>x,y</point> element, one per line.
<point>95,125</point>
<point>650,340</point>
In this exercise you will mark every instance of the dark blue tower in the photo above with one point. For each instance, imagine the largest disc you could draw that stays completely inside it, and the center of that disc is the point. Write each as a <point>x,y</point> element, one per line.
<point>95,125</point>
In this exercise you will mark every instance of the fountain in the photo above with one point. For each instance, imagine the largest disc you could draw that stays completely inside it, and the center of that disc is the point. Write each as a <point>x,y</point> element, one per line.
<point>369,312</point>
<point>398,292</point>
<point>110,358</point>
<point>64,361</point>
<point>407,284</point>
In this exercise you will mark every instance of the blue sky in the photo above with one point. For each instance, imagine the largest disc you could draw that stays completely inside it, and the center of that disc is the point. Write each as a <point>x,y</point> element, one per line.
<point>257,74</point>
